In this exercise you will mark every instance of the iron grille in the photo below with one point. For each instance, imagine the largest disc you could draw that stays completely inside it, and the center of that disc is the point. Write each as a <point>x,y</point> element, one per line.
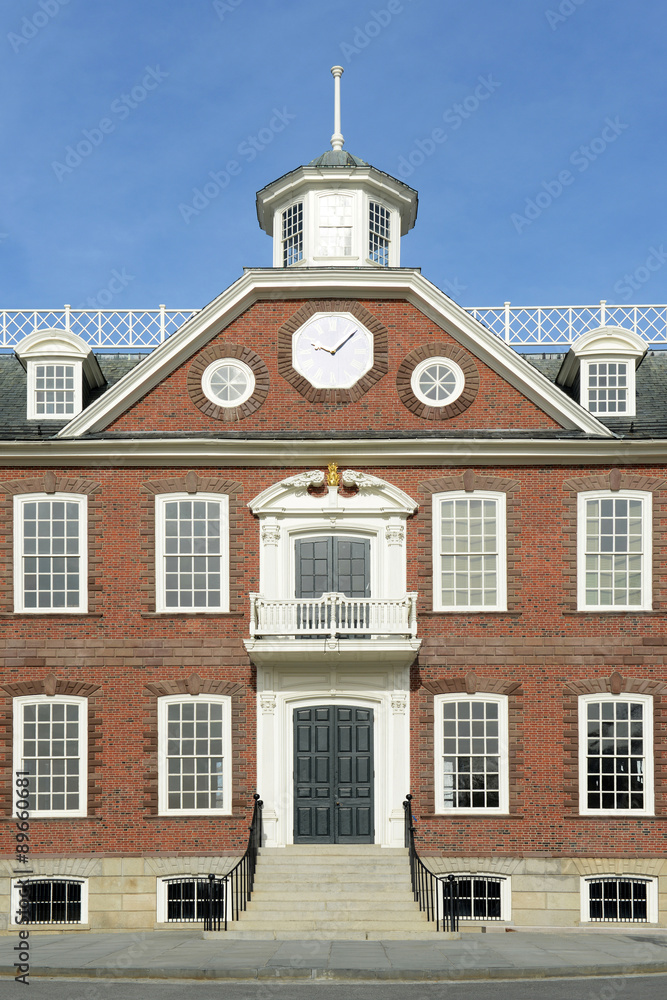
<point>51,901</point>
<point>618,899</point>
<point>478,897</point>
<point>194,900</point>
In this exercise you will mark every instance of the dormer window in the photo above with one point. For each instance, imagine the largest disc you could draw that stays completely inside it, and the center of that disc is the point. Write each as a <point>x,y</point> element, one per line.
<point>608,387</point>
<point>378,234</point>
<point>61,369</point>
<point>335,230</point>
<point>56,391</point>
<point>603,361</point>
<point>293,234</point>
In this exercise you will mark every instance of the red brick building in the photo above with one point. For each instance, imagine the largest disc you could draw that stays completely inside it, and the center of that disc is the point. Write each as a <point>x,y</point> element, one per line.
<point>334,541</point>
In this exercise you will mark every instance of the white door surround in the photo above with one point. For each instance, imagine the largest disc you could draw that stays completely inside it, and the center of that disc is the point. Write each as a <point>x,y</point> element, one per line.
<point>282,689</point>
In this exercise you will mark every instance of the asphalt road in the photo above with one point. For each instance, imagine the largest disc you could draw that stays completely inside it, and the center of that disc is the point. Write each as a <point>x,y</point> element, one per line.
<point>623,988</point>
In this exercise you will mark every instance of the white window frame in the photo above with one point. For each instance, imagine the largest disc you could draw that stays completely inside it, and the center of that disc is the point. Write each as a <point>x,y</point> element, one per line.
<point>612,359</point>
<point>456,371</point>
<point>646,603</point>
<point>214,368</point>
<point>501,527</point>
<point>647,702</point>
<point>505,895</point>
<point>19,593</point>
<point>163,704</point>
<point>160,576</point>
<point>161,900</point>
<point>502,702</point>
<point>32,388</point>
<point>285,250</point>
<point>40,699</point>
<point>15,901</point>
<point>651,898</point>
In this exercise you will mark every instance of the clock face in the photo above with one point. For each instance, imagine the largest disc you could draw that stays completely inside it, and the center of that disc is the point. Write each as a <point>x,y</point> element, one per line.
<point>332,350</point>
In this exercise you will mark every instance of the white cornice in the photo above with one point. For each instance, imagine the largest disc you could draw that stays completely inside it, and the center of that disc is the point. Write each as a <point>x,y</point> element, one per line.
<point>276,283</point>
<point>281,453</point>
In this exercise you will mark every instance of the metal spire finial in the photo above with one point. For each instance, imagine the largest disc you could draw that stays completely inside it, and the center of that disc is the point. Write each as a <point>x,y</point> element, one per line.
<point>337,137</point>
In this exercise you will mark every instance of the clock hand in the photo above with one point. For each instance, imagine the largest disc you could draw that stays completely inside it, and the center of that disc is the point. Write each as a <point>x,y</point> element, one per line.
<point>343,341</point>
<point>320,347</point>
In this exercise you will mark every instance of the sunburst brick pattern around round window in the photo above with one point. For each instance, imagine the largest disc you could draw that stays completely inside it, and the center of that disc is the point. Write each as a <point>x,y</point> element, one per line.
<point>437,381</point>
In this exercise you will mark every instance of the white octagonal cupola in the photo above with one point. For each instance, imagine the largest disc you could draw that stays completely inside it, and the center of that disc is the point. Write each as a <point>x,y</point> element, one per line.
<point>337,210</point>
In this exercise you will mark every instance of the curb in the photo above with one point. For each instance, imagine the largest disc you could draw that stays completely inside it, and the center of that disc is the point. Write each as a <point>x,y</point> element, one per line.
<point>322,974</point>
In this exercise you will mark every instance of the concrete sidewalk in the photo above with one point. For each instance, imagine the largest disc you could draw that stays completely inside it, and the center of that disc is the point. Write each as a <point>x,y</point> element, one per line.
<point>186,955</point>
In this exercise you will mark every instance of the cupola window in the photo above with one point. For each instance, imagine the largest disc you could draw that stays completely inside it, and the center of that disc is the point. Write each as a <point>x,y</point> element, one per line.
<point>378,234</point>
<point>335,233</point>
<point>293,234</point>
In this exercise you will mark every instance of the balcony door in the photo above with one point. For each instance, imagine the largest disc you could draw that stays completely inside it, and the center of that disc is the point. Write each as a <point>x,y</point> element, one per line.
<point>333,563</point>
<point>333,775</point>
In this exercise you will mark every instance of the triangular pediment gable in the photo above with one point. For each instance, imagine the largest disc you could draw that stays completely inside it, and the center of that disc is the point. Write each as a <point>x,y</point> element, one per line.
<point>278,284</point>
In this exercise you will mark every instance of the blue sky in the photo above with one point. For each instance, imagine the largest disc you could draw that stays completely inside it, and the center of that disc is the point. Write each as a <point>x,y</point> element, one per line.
<point>545,185</point>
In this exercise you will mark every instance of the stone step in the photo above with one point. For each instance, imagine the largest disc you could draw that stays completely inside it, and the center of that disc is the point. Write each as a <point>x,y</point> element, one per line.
<point>427,934</point>
<point>375,896</point>
<point>333,864</point>
<point>316,907</point>
<point>324,926</point>
<point>334,850</point>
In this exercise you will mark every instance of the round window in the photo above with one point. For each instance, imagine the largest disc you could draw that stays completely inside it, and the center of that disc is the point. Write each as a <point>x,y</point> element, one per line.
<point>437,381</point>
<point>228,382</point>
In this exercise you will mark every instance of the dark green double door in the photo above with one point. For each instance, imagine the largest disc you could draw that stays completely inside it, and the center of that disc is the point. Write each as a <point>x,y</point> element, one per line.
<point>333,775</point>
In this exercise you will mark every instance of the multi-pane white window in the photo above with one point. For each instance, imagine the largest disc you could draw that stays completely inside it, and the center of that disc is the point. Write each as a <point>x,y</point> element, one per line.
<point>335,226</point>
<point>192,552</point>
<point>378,233</point>
<point>194,747</point>
<point>471,756</point>
<point>50,553</point>
<point>614,550</point>
<point>616,754</point>
<point>50,744</point>
<point>56,900</point>
<point>608,387</point>
<point>292,234</point>
<point>469,551</point>
<point>619,898</point>
<point>54,390</point>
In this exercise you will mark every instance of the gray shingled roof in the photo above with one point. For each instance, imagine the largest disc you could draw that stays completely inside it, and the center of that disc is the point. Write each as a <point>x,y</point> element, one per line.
<point>13,392</point>
<point>651,382</point>
<point>650,422</point>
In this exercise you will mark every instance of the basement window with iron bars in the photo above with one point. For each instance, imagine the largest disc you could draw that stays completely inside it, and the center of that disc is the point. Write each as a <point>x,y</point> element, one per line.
<point>49,901</point>
<point>482,897</point>
<point>619,899</point>
<point>189,899</point>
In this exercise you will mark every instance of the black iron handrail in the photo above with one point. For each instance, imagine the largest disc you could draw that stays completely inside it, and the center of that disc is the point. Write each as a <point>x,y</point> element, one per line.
<point>436,896</point>
<point>239,881</point>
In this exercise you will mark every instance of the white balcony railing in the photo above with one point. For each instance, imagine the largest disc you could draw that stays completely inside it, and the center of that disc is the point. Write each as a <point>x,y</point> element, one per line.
<point>550,327</point>
<point>333,615</point>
